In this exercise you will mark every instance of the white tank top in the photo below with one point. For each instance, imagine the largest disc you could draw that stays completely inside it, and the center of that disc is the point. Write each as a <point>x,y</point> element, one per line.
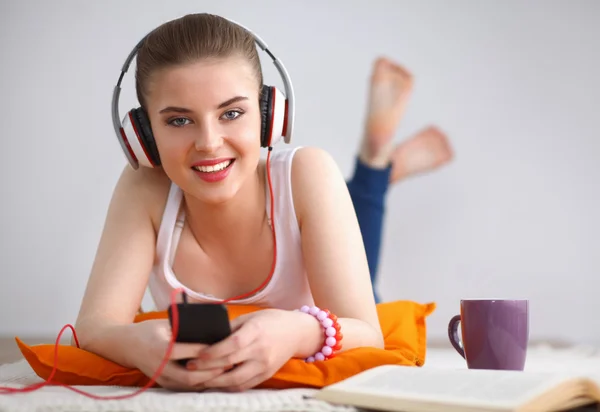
<point>288,288</point>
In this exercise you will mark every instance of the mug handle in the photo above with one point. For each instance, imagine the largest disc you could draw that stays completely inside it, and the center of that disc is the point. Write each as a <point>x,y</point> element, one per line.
<point>453,335</point>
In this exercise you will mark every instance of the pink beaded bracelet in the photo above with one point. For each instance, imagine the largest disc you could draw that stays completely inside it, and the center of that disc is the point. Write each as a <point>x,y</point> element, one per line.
<point>331,330</point>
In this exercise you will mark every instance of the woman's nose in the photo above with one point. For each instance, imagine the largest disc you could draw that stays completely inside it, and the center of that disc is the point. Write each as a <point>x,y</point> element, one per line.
<point>208,139</point>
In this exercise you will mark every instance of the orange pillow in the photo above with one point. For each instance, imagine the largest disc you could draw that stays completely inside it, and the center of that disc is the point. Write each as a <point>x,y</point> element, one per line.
<point>402,324</point>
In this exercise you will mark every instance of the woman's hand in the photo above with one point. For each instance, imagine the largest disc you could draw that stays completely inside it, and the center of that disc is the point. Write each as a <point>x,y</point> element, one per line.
<point>153,337</point>
<point>260,344</point>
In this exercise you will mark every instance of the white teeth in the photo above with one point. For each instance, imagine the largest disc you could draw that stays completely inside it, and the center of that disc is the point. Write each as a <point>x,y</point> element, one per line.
<point>213,168</point>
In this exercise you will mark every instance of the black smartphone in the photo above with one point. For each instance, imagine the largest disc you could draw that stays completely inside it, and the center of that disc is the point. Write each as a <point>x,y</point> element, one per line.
<point>206,323</point>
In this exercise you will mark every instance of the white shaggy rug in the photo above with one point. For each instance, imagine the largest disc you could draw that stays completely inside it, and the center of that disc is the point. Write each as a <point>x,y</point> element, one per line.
<point>585,360</point>
<point>58,399</point>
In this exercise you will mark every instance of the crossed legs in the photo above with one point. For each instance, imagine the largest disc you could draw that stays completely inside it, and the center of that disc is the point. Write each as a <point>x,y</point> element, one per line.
<point>380,163</point>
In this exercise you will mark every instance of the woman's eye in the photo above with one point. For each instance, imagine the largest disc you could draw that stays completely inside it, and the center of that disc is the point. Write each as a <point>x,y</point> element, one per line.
<point>231,114</point>
<point>178,122</point>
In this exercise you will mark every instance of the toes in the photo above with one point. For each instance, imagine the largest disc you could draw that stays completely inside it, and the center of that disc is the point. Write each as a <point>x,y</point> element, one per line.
<point>386,69</point>
<point>423,152</point>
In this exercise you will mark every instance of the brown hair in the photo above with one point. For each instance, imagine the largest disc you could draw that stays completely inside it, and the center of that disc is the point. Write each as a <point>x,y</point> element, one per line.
<point>189,39</point>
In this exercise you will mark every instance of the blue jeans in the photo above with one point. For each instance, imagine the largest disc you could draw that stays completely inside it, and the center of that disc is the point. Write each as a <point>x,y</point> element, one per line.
<point>368,188</point>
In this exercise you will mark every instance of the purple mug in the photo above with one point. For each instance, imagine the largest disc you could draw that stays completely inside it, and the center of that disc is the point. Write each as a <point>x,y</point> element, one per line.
<point>494,333</point>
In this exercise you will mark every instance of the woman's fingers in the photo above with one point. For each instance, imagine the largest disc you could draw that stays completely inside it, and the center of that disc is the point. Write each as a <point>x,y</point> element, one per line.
<point>229,351</point>
<point>172,385</point>
<point>186,350</point>
<point>179,377</point>
<point>226,361</point>
<point>238,379</point>
<point>249,384</point>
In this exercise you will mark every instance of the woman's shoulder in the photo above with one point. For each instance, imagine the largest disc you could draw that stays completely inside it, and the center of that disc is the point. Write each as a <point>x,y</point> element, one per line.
<point>312,165</point>
<point>314,173</point>
<point>302,165</point>
<point>148,188</point>
<point>311,153</point>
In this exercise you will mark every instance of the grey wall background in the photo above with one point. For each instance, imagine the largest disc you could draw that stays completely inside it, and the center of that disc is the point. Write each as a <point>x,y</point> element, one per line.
<point>515,84</point>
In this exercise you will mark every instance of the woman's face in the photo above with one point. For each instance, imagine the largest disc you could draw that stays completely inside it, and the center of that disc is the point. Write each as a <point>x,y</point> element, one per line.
<point>206,121</point>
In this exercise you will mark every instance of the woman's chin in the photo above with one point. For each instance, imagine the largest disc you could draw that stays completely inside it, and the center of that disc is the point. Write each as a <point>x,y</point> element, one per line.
<point>213,193</point>
<point>215,197</point>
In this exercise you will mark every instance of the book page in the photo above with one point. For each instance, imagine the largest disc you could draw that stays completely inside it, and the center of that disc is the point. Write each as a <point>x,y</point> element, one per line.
<point>485,388</point>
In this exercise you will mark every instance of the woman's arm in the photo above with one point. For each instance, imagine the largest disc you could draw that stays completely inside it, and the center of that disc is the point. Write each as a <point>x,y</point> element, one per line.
<point>333,251</point>
<point>120,270</point>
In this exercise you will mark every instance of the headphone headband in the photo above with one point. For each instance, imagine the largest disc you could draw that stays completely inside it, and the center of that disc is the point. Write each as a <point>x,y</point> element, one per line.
<point>287,83</point>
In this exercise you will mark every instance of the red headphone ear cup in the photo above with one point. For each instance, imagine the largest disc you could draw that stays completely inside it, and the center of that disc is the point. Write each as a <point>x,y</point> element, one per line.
<point>266,114</point>
<point>143,128</point>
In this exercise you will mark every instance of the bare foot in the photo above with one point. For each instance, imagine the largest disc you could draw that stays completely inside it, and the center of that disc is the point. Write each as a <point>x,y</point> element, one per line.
<point>391,86</point>
<point>423,152</point>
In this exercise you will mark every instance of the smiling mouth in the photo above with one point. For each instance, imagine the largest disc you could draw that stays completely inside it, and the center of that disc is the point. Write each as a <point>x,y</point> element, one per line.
<point>214,168</point>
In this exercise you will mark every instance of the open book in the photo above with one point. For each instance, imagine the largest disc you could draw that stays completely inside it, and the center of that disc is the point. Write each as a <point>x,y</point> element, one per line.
<point>411,389</point>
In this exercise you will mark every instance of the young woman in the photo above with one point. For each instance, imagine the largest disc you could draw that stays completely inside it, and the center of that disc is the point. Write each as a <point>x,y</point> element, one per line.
<point>202,221</point>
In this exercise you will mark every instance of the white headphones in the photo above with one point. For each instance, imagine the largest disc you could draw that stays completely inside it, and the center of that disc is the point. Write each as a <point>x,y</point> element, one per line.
<point>135,136</point>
